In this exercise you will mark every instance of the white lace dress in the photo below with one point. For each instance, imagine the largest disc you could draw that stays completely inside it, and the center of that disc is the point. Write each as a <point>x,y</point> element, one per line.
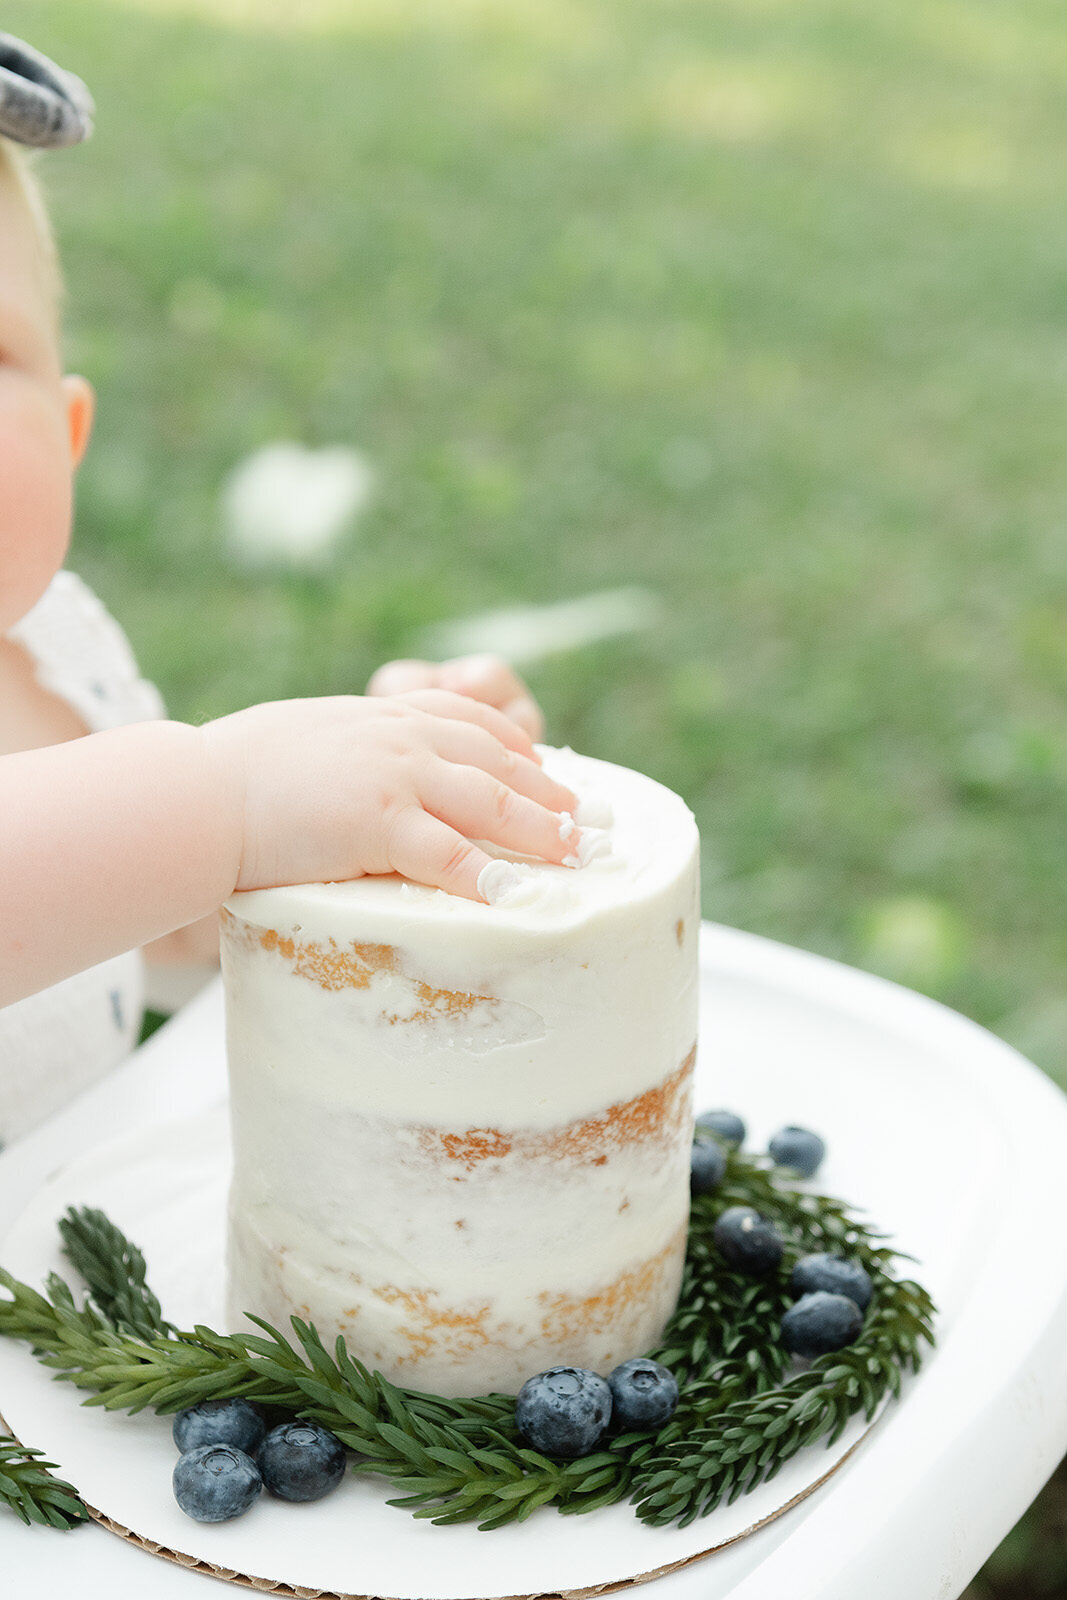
<point>58,1042</point>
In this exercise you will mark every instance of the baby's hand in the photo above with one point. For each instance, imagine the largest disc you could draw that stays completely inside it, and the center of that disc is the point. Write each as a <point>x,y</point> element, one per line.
<point>485,678</point>
<point>341,787</point>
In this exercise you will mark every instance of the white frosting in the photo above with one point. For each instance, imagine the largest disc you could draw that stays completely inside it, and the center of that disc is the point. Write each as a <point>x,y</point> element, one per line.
<point>594,810</point>
<point>594,844</point>
<point>514,884</point>
<point>498,881</point>
<point>421,1092</point>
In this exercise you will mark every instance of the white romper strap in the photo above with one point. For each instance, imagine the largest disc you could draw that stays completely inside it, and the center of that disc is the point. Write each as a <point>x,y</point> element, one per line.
<point>81,654</point>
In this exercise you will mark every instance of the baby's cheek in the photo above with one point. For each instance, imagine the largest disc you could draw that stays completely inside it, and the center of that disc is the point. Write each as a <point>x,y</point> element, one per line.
<point>35,502</point>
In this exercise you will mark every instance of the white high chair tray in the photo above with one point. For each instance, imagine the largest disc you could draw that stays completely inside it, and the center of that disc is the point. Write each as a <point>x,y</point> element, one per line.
<point>942,1133</point>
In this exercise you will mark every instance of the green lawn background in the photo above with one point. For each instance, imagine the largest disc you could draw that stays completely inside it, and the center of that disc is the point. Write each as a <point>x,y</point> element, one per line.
<point>759,303</point>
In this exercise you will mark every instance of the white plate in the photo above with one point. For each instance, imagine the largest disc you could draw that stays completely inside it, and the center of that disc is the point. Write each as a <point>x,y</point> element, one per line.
<point>909,1097</point>
<point>169,1193</point>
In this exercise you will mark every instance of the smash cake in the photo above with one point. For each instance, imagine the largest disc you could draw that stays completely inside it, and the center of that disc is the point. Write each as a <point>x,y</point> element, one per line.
<point>461,1131</point>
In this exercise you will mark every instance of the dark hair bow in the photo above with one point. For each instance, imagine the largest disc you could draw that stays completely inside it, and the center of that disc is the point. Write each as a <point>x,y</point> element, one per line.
<point>40,104</point>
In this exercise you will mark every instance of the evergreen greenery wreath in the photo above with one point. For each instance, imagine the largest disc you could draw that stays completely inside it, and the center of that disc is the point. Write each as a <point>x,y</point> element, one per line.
<point>746,1407</point>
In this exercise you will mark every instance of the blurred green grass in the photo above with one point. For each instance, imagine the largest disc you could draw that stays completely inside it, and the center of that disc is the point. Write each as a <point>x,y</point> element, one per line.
<point>760,305</point>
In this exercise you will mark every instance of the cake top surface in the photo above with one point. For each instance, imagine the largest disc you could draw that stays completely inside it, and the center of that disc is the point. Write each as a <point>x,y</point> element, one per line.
<point>637,837</point>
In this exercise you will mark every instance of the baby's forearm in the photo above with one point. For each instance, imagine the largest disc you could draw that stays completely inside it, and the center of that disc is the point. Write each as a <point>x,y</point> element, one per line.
<point>107,842</point>
<point>197,944</point>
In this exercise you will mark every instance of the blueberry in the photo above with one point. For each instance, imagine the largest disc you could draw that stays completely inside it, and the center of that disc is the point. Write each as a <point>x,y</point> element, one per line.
<point>236,1422</point>
<point>707,1167</point>
<point>821,1322</point>
<point>727,1124</point>
<point>644,1394</point>
<point>747,1241</point>
<point>798,1148</point>
<point>301,1461</point>
<point>215,1482</point>
<point>564,1411</point>
<point>835,1274</point>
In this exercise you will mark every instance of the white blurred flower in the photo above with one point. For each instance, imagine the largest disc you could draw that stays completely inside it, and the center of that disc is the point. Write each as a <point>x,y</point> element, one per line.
<point>288,506</point>
<point>529,633</point>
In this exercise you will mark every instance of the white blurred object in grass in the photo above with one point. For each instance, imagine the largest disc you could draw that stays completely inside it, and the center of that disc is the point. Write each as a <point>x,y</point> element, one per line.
<point>529,633</point>
<point>288,507</point>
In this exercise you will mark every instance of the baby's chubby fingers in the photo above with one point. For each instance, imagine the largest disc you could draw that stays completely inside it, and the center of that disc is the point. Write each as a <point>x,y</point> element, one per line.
<point>404,677</point>
<point>445,703</point>
<point>482,807</point>
<point>491,679</point>
<point>527,713</point>
<point>473,747</point>
<point>486,678</point>
<point>426,850</point>
<point>322,790</point>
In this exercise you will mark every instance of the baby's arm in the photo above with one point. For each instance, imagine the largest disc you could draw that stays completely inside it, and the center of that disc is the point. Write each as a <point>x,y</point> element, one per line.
<point>194,946</point>
<point>115,839</point>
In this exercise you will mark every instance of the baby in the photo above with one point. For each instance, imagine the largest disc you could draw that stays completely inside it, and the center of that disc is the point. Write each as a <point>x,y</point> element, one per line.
<point>117,826</point>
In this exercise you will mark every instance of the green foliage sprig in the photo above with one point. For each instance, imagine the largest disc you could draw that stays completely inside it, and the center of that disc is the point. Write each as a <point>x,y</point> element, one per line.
<point>115,1271</point>
<point>745,1408</point>
<point>28,1489</point>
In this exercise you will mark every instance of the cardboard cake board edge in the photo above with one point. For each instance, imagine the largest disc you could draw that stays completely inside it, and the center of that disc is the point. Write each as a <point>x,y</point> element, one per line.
<point>298,1592</point>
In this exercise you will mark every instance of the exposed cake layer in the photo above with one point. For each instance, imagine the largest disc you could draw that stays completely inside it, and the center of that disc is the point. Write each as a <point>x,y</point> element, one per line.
<point>468,1261</point>
<point>426,1338</point>
<point>461,1131</point>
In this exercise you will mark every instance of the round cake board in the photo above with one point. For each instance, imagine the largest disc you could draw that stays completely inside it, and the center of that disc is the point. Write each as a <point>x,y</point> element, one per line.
<point>167,1191</point>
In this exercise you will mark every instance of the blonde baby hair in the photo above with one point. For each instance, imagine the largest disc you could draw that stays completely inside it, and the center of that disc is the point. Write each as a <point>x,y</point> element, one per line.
<point>17,171</point>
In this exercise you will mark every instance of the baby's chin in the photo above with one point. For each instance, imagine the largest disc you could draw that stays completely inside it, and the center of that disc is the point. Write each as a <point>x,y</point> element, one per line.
<point>28,563</point>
